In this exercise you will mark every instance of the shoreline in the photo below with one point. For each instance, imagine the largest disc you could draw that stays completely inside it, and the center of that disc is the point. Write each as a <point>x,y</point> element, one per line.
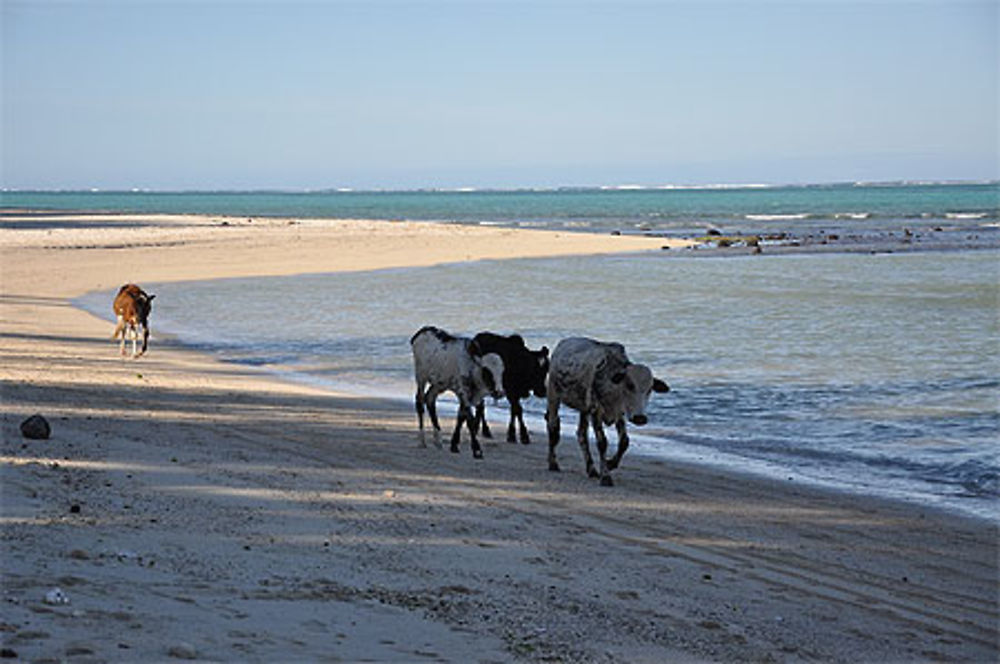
<point>235,516</point>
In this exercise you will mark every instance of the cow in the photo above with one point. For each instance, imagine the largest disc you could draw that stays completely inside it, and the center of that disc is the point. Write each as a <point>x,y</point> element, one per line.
<point>598,380</point>
<point>132,306</point>
<point>524,372</point>
<point>442,362</point>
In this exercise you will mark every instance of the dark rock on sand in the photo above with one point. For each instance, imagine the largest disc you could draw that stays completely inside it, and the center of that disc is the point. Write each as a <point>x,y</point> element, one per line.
<point>36,427</point>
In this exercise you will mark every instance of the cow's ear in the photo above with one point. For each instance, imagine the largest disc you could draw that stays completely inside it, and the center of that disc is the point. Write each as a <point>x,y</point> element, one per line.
<point>618,377</point>
<point>660,386</point>
<point>545,351</point>
<point>150,298</point>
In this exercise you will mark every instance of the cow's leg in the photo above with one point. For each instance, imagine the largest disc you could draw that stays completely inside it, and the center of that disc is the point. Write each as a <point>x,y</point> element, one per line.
<point>481,420</point>
<point>477,451</point>
<point>602,452</point>
<point>120,333</point>
<point>456,436</point>
<point>145,339</point>
<point>515,408</point>
<point>581,439</point>
<point>622,445</point>
<point>516,425</point>
<point>552,426</point>
<point>465,416</point>
<point>418,402</point>
<point>430,400</point>
<point>523,430</point>
<point>134,333</point>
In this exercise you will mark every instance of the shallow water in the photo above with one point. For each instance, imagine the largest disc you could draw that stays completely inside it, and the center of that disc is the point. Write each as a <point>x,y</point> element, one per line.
<point>879,374</point>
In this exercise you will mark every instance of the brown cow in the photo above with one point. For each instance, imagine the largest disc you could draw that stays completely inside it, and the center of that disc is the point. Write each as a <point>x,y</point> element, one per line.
<point>132,306</point>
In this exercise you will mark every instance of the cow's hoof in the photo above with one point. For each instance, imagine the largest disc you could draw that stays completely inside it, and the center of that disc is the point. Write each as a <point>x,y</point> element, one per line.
<point>477,454</point>
<point>454,449</point>
<point>606,481</point>
<point>592,473</point>
<point>612,464</point>
<point>553,466</point>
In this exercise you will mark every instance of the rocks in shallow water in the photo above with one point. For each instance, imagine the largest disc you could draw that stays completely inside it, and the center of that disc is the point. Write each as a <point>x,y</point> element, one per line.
<point>36,427</point>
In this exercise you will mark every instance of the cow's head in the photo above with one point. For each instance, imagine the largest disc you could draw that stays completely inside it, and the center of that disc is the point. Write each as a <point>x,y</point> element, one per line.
<point>540,369</point>
<point>491,374</point>
<point>637,384</point>
<point>145,305</point>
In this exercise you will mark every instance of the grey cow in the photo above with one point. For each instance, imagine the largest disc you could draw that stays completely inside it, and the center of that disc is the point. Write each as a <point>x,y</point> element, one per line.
<point>598,380</point>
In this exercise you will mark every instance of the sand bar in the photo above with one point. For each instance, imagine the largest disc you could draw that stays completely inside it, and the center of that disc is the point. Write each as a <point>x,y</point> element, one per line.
<point>193,510</point>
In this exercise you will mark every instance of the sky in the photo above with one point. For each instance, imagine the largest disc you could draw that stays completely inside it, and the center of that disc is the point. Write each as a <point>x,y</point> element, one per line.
<point>297,95</point>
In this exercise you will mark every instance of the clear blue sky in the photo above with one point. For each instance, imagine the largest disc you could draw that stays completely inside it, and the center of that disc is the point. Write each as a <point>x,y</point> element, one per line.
<point>210,95</point>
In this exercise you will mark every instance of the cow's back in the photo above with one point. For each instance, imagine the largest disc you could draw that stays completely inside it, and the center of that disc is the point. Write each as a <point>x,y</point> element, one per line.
<point>124,304</point>
<point>577,365</point>
<point>439,357</point>
<point>522,368</point>
<point>132,303</point>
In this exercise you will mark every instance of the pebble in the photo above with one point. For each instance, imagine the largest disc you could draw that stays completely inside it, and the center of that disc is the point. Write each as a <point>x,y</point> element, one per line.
<point>182,651</point>
<point>78,649</point>
<point>56,597</point>
<point>36,427</point>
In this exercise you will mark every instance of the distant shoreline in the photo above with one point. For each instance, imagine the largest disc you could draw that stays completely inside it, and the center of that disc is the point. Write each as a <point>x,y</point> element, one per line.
<point>526,188</point>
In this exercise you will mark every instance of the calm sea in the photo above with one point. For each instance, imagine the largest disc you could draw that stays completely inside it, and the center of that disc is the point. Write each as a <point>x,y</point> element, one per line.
<point>878,373</point>
<point>843,209</point>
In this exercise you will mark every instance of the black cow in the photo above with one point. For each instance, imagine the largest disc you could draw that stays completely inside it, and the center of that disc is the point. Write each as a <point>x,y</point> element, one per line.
<point>524,373</point>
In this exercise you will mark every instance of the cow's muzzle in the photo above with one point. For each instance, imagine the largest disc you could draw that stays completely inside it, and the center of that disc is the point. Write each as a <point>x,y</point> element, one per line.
<point>639,420</point>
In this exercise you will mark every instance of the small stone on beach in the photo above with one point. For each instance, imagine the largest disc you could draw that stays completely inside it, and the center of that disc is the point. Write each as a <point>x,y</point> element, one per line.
<point>55,597</point>
<point>36,427</point>
<point>183,651</point>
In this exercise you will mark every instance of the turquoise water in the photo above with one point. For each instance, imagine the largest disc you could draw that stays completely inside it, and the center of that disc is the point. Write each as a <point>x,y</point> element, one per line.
<point>838,208</point>
<point>879,374</point>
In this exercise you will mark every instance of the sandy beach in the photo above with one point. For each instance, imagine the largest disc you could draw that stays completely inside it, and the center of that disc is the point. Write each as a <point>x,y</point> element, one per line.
<point>193,510</point>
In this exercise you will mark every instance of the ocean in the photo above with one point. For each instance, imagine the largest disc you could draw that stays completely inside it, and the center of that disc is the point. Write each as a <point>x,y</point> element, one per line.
<point>875,372</point>
<point>861,210</point>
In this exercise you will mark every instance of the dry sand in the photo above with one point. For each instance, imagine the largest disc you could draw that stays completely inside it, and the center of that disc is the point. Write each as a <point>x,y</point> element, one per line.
<point>193,510</point>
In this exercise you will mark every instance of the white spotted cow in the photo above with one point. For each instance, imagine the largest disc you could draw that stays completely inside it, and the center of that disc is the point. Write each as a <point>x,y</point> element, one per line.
<point>443,362</point>
<point>598,380</point>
